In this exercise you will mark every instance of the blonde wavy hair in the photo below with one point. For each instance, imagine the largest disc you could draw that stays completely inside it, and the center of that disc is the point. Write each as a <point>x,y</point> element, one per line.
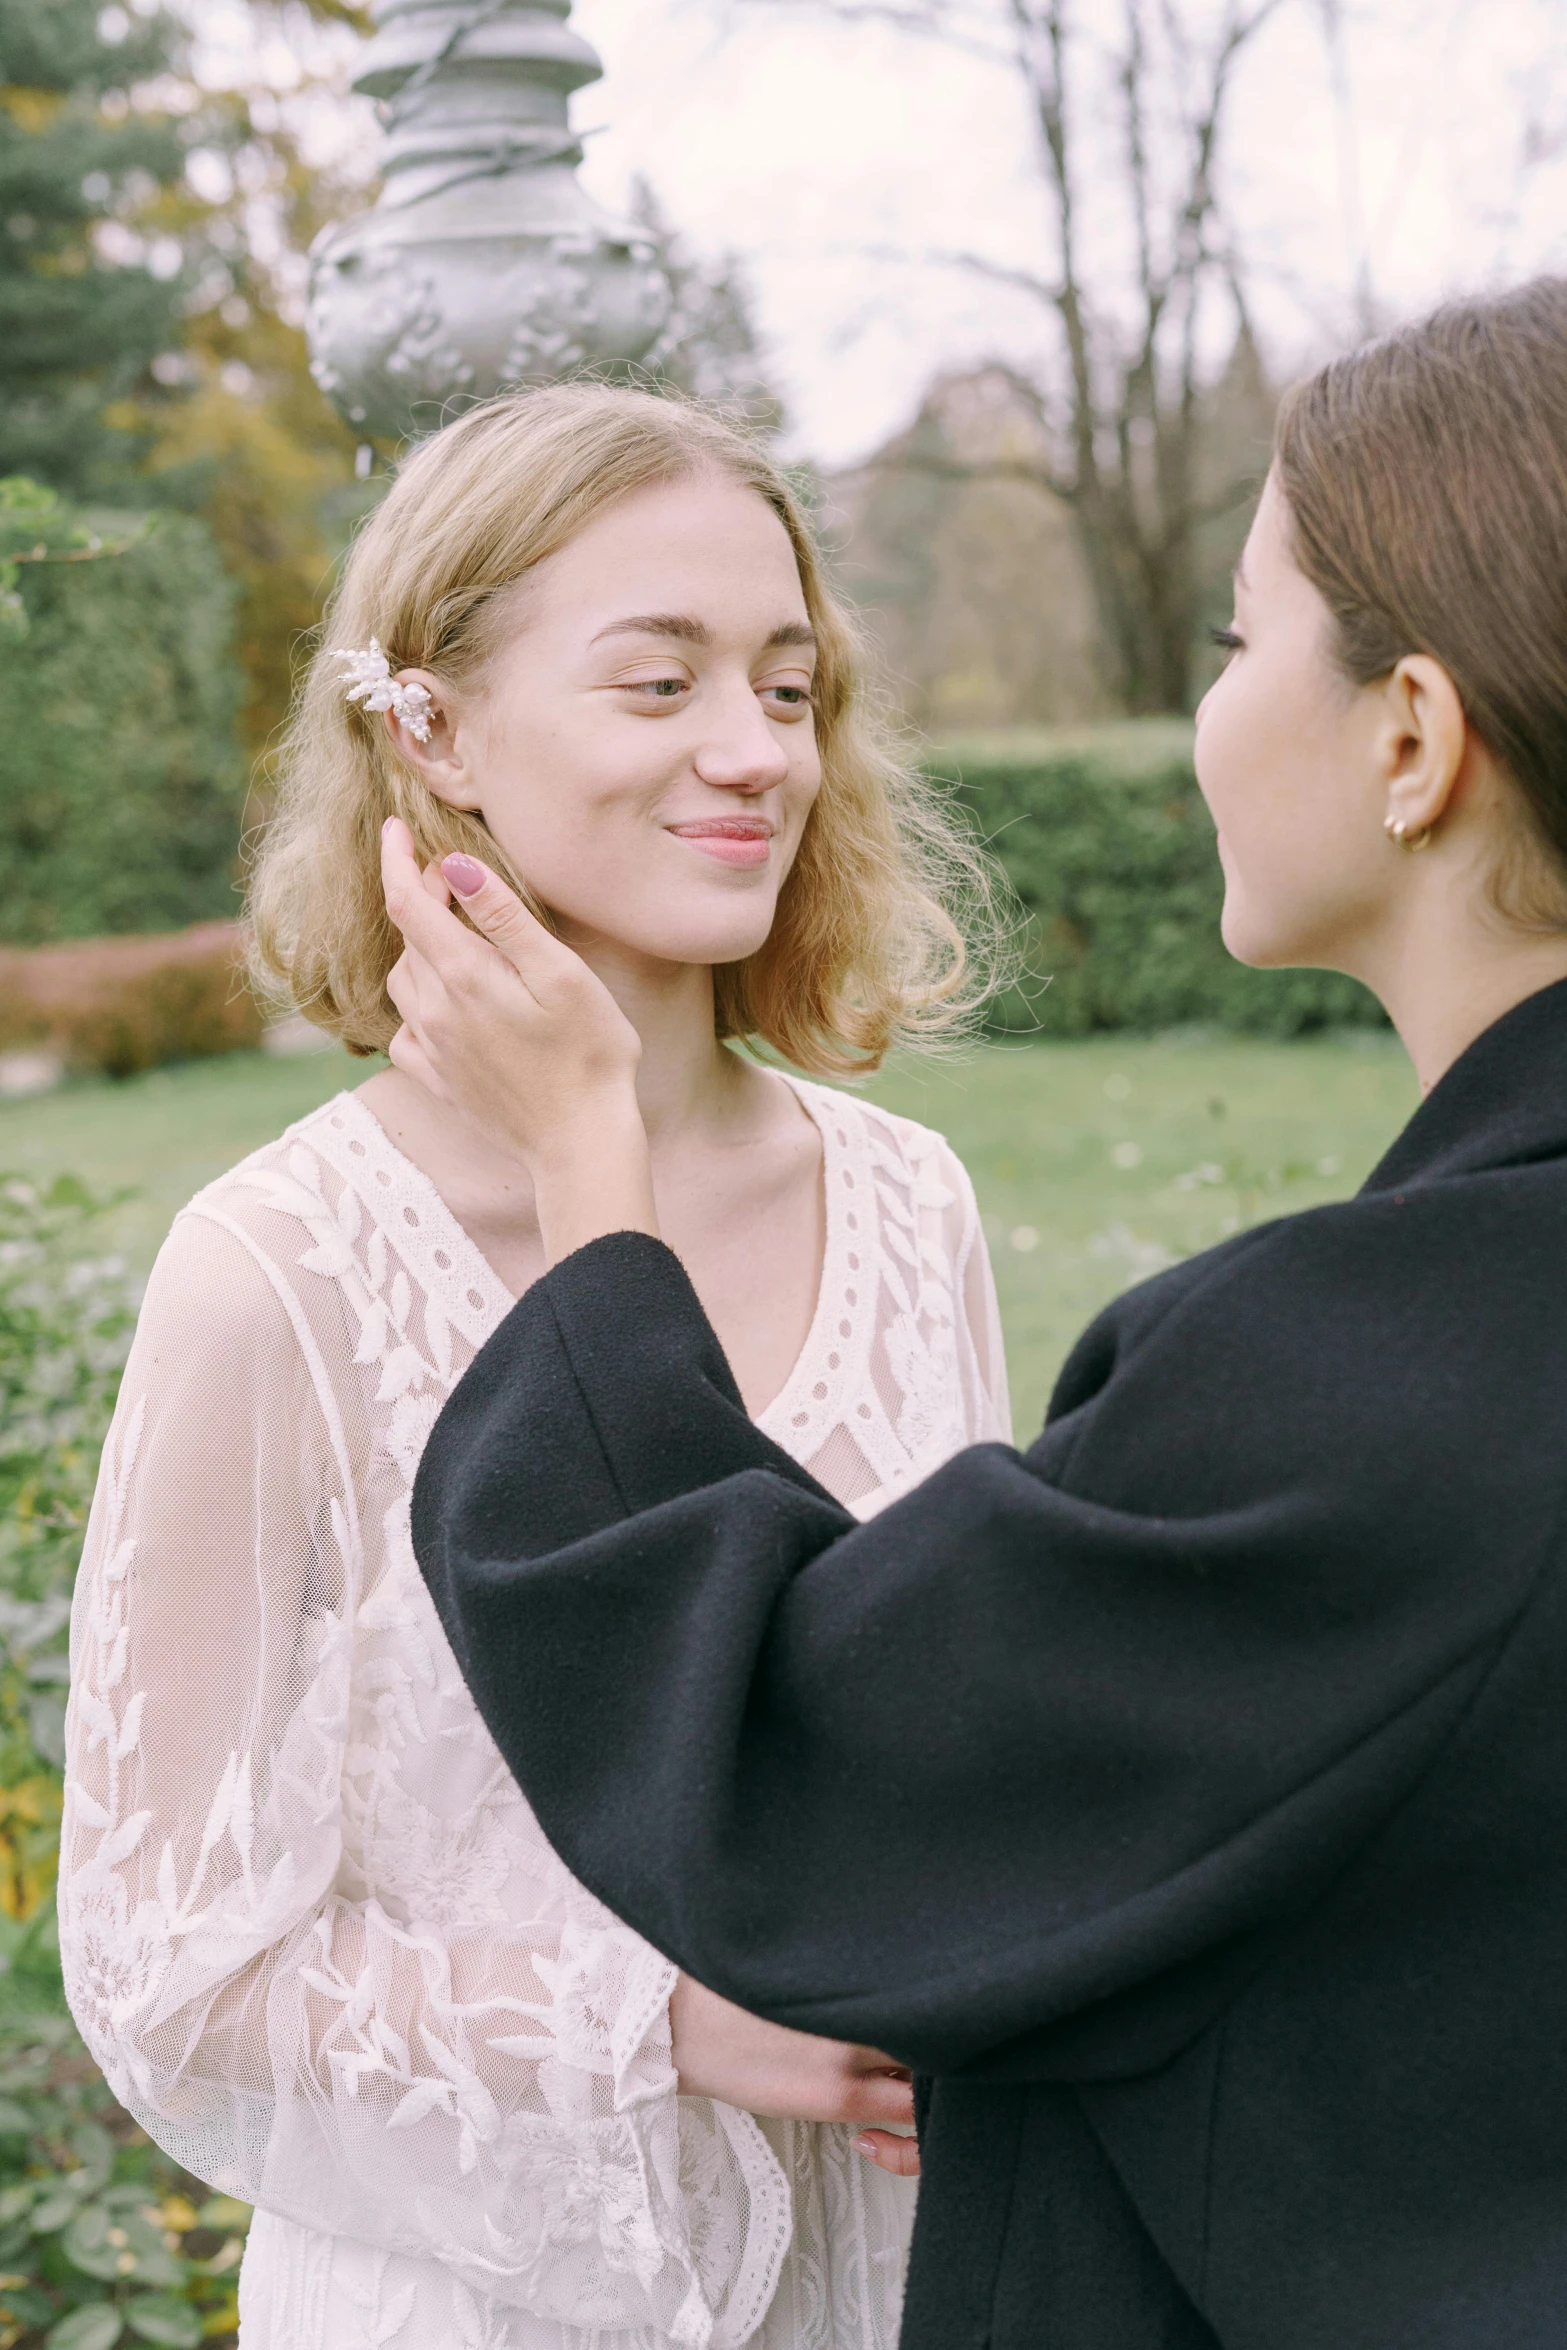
<point>888,927</point>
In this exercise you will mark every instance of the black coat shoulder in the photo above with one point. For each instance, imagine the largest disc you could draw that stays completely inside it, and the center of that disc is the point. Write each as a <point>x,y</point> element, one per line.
<point>1123,1698</point>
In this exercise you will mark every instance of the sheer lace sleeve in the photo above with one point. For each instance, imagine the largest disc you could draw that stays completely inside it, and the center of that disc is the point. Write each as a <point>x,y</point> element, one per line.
<point>491,2087</point>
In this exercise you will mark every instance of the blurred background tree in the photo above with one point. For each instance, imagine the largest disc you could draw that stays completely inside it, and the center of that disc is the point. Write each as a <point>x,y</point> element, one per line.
<point>152,367</point>
<point>1146,426</point>
<point>121,784</point>
<point>250,444</point>
<point>82,313</point>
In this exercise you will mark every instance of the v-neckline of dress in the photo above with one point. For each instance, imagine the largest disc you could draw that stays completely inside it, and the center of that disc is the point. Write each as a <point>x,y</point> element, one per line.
<point>451,1266</point>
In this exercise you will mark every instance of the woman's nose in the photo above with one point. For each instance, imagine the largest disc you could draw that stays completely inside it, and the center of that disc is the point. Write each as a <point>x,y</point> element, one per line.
<point>743,750</point>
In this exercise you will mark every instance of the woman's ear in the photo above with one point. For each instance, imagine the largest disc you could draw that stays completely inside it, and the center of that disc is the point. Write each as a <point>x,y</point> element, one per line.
<point>438,751</point>
<point>1424,742</point>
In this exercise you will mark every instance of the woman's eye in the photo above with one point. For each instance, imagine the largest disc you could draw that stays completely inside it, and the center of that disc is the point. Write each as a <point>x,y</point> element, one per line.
<point>789,697</point>
<point>1226,639</point>
<point>666,689</point>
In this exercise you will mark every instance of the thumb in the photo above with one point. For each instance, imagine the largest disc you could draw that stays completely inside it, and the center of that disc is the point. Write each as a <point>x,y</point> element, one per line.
<point>500,915</point>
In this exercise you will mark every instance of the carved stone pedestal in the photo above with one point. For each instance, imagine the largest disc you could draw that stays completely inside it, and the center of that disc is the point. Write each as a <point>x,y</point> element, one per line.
<point>484,263</point>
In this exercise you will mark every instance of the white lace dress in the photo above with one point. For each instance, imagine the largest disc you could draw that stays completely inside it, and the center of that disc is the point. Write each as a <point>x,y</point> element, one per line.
<point>311,1929</point>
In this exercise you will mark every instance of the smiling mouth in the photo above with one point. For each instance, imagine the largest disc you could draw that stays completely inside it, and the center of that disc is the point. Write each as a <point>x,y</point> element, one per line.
<point>731,840</point>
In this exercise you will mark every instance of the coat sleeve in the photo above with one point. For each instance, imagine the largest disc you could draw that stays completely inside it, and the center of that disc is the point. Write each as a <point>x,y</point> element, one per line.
<point>1013,1778</point>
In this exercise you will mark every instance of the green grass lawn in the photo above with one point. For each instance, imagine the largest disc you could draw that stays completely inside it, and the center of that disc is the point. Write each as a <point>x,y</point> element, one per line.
<point>1095,1163</point>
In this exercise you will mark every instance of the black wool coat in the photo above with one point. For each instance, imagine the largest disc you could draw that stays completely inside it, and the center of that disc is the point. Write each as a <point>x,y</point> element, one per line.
<point>1185,1798</point>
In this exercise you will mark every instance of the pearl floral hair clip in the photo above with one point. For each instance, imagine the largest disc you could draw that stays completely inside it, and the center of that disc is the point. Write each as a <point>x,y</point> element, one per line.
<point>368,679</point>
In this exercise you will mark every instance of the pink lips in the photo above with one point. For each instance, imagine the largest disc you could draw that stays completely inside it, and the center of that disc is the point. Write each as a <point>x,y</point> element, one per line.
<point>733,840</point>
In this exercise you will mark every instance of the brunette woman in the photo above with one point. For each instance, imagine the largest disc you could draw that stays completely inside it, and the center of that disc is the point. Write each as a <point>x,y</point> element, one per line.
<point>1184,1799</point>
<point>311,1930</point>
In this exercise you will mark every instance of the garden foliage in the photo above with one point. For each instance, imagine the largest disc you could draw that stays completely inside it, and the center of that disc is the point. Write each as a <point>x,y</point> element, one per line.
<point>1112,854</point>
<point>37,526</point>
<point>102,2239</point>
<point>121,787</point>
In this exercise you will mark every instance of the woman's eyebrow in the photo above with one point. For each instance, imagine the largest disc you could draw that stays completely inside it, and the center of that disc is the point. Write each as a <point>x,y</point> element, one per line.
<point>696,632</point>
<point>676,624</point>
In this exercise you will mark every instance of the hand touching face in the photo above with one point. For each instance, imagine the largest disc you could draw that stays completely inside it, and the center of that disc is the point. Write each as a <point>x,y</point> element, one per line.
<point>644,747</point>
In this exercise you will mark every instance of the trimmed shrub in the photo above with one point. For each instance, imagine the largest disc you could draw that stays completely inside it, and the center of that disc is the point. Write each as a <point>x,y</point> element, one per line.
<point>1110,848</point>
<point>121,788</point>
<point>120,1005</point>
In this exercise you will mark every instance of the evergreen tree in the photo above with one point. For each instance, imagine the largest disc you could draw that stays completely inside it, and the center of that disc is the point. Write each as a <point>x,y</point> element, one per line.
<point>82,314</point>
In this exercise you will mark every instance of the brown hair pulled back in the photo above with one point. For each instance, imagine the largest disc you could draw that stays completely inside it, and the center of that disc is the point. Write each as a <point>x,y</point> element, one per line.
<point>1426,478</point>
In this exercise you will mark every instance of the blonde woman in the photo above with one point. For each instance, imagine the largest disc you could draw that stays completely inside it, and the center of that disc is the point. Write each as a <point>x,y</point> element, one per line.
<point>312,1931</point>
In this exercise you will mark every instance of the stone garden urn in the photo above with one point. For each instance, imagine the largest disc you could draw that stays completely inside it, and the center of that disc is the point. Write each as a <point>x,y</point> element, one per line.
<point>483,263</point>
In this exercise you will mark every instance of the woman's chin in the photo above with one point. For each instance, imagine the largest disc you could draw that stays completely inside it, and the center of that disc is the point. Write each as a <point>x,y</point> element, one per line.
<point>697,941</point>
<point>733,947</point>
<point>1249,940</point>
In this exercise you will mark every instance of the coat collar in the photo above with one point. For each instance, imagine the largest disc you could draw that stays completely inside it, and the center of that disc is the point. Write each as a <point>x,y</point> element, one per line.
<point>1503,1103</point>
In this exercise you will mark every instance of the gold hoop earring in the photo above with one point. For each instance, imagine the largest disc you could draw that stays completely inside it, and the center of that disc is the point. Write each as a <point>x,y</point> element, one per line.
<point>1399,833</point>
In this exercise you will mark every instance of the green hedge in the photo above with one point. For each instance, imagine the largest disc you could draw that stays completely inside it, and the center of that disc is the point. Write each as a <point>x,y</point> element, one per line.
<point>121,785</point>
<point>1107,842</point>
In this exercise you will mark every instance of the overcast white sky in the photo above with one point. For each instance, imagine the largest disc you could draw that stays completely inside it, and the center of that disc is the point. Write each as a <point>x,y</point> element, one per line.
<point>810,146</point>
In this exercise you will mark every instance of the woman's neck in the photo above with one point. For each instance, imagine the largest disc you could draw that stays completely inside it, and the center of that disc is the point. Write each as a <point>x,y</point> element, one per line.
<point>686,1080</point>
<point>690,1088</point>
<point>1445,981</point>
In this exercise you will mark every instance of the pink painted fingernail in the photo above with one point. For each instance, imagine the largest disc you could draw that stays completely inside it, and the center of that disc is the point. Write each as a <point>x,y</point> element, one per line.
<point>465,874</point>
<point>387,826</point>
<point>864,2145</point>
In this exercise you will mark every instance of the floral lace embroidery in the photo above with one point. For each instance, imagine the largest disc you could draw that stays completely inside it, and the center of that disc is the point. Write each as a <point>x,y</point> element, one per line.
<point>311,1929</point>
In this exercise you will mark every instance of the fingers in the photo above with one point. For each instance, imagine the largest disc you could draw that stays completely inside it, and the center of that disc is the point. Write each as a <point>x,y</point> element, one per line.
<point>420,905</point>
<point>411,986</point>
<point>407,985</point>
<point>884,2097</point>
<point>873,2060</point>
<point>399,866</point>
<point>890,2152</point>
<point>425,920</point>
<point>502,917</point>
<point>402,985</point>
<point>405,1052</point>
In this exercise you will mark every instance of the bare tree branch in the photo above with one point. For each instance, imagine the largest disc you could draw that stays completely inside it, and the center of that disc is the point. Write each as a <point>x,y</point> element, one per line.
<point>926,23</point>
<point>997,273</point>
<point>1039,477</point>
<point>1130,79</point>
<point>1121,419</point>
